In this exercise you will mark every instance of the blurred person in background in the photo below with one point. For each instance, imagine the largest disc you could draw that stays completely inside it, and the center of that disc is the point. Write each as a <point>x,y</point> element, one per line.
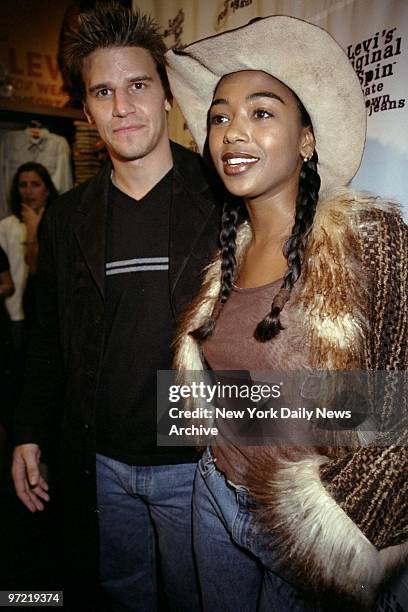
<point>32,191</point>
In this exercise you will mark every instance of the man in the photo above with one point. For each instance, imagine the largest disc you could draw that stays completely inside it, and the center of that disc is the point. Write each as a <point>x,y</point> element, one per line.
<point>120,259</point>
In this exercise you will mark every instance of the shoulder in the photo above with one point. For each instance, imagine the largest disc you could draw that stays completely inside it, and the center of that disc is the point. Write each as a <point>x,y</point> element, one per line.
<point>70,197</point>
<point>10,221</point>
<point>182,155</point>
<point>359,213</point>
<point>195,174</point>
<point>68,203</point>
<point>60,213</point>
<point>11,229</point>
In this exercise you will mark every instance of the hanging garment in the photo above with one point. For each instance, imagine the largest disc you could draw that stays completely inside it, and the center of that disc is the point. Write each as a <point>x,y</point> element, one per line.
<point>51,150</point>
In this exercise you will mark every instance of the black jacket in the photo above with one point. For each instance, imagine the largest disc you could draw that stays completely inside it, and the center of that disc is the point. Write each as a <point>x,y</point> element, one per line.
<point>67,343</point>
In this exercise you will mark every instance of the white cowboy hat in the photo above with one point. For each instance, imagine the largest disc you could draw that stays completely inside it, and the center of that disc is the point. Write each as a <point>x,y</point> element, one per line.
<point>305,58</point>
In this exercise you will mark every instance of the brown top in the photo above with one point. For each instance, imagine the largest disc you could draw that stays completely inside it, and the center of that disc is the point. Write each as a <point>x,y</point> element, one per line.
<point>232,346</point>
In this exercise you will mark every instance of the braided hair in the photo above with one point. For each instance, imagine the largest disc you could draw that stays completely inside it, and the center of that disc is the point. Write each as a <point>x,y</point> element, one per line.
<point>294,248</point>
<point>233,214</point>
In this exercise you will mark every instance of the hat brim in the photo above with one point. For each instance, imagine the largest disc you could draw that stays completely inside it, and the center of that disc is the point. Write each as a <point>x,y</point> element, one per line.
<point>305,58</point>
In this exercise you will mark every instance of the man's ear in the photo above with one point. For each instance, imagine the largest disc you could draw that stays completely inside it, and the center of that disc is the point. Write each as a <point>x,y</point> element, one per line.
<point>167,105</point>
<point>87,114</point>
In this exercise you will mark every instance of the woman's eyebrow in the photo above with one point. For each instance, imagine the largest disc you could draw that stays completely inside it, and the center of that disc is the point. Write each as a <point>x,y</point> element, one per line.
<point>250,98</point>
<point>264,94</point>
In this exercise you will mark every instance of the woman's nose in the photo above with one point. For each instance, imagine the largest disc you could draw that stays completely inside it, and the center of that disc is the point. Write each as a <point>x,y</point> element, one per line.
<point>236,131</point>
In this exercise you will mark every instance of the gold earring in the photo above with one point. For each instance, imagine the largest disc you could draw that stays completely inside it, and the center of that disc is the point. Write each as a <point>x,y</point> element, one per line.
<point>306,158</point>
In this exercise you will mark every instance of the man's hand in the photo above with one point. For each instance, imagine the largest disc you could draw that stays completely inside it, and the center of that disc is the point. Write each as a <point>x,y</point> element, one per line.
<point>30,486</point>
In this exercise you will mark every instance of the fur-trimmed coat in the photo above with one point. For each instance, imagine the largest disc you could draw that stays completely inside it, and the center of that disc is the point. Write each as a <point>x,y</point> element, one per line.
<point>341,518</point>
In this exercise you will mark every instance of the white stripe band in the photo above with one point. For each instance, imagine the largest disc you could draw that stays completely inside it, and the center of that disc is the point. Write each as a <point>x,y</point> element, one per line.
<point>143,260</point>
<point>136,269</point>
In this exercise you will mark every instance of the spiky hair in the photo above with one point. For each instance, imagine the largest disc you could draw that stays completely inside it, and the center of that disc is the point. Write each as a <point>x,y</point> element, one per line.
<point>111,25</point>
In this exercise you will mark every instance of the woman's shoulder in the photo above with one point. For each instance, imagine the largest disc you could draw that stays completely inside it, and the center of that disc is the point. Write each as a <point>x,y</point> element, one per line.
<point>11,227</point>
<point>362,206</point>
<point>359,215</point>
<point>10,220</point>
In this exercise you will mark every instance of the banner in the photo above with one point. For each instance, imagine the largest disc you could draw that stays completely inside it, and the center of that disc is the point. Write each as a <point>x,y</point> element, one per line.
<point>373,33</point>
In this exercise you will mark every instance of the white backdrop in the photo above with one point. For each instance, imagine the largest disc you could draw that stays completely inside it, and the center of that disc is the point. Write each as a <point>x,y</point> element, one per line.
<point>374,33</point>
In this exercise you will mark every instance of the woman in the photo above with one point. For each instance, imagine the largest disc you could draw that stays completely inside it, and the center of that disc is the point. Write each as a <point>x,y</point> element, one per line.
<point>32,191</point>
<point>310,275</point>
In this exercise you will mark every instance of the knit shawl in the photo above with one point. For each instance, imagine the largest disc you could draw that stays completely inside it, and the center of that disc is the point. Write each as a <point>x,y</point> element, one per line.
<point>340,519</point>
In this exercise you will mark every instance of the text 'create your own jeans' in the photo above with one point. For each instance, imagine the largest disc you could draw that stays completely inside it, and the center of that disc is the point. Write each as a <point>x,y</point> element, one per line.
<point>140,509</point>
<point>233,556</point>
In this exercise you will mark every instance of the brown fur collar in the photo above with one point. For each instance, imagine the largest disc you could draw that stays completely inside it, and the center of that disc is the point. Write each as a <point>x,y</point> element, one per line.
<point>333,297</point>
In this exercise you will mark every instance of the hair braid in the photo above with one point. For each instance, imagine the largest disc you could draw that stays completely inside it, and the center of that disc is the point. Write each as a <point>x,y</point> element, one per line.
<point>228,236</point>
<point>231,217</point>
<point>294,248</point>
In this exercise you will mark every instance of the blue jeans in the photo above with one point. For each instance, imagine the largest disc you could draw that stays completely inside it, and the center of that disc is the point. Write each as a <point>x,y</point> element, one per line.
<point>234,560</point>
<point>141,509</point>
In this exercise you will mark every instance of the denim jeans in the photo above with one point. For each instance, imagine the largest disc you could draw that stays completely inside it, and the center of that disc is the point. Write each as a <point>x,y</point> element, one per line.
<point>141,510</point>
<point>236,567</point>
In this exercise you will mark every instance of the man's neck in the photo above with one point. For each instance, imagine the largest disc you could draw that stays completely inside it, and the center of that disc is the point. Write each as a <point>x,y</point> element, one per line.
<point>137,177</point>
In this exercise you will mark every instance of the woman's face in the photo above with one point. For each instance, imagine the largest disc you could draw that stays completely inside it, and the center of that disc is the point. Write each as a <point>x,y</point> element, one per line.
<point>32,189</point>
<point>256,138</point>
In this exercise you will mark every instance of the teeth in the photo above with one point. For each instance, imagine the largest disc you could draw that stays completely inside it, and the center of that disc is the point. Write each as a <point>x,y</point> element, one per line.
<point>241,160</point>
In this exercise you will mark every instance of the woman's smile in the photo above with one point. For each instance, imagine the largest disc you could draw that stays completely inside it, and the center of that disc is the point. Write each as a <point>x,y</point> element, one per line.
<point>238,162</point>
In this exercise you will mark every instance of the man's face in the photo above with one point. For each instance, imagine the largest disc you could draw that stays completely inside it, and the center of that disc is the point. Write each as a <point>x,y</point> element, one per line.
<point>125,99</point>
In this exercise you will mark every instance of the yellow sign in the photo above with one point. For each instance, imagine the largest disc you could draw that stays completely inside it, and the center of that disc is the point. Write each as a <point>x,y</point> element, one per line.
<point>28,50</point>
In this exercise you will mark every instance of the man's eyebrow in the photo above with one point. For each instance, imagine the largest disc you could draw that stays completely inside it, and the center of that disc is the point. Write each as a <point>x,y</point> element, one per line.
<point>143,77</point>
<point>134,79</point>
<point>253,96</point>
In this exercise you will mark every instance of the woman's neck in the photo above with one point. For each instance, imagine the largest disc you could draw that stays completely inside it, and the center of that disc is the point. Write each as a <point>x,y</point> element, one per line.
<point>271,219</point>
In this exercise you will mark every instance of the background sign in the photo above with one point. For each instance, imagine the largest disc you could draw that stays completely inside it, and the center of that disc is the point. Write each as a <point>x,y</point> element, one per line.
<point>373,33</point>
<point>28,49</point>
